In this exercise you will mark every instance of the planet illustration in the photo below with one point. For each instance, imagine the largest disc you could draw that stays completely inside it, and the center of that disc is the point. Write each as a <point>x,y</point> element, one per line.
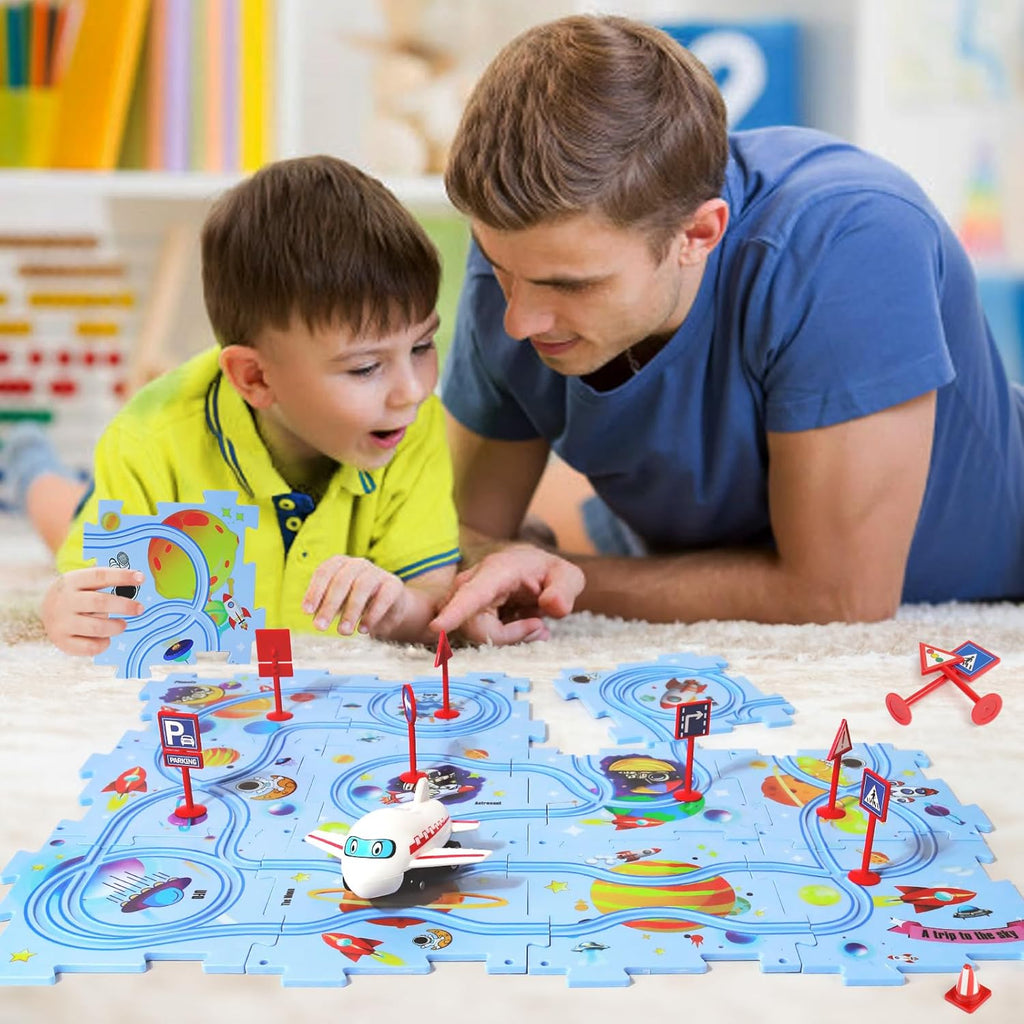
<point>110,521</point>
<point>445,902</point>
<point>854,821</point>
<point>718,814</point>
<point>219,757</point>
<point>707,895</point>
<point>246,708</point>
<point>819,895</point>
<point>816,768</point>
<point>179,650</point>
<point>282,809</point>
<point>171,569</point>
<point>785,789</point>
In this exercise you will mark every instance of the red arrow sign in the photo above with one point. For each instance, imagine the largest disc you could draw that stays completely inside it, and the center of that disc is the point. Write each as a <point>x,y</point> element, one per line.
<point>444,652</point>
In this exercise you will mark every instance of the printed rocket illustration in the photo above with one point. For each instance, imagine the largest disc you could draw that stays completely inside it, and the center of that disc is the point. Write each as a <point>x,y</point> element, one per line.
<point>236,615</point>
<point>923,898</point>
<point>131,780</point>
<point>676,691</point>
<point>350,945</point>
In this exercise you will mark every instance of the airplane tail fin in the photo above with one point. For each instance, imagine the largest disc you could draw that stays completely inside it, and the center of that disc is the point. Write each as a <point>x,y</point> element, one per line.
<point>420,794</point>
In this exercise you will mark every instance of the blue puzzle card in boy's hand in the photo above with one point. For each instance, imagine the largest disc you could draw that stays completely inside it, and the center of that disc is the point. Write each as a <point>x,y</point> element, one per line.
<point>198,591</point>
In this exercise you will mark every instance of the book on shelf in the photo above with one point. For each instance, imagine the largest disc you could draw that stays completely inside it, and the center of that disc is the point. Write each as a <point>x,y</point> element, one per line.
<point>138,84</point>
<point>97,86</point>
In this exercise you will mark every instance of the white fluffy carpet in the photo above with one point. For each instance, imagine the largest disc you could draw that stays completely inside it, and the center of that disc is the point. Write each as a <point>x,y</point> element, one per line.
<point>55,711</point>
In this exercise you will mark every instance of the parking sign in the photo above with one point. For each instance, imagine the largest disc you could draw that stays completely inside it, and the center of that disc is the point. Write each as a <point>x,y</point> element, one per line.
<point>179,738</point>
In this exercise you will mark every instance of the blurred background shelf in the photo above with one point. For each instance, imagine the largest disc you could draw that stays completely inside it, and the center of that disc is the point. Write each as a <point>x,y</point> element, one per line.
<point>425,192</point>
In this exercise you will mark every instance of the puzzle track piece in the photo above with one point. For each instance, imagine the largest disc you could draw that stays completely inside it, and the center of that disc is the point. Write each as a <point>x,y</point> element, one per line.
<point>641,698</point>
<point>662,909</point>
<point>197,592</point>
<point>478,914</point>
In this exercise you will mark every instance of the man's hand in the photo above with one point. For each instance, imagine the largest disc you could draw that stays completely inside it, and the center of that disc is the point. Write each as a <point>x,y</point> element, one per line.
<point>501,598</point>
<point>77,609</point>
<point>356,591</point>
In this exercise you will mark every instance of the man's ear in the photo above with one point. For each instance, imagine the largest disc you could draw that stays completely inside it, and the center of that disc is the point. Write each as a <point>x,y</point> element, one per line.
<point>703,231</point>
<point>245,368</point>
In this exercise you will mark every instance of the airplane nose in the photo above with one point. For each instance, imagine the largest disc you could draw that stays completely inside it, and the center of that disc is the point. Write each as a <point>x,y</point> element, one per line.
<point>368,884</point>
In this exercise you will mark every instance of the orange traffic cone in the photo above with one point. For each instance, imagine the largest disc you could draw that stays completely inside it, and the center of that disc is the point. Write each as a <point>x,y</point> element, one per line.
<point>967,993</point>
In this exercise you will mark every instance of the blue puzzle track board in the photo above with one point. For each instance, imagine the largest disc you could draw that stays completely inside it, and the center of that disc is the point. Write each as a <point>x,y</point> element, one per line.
<point>197,589</point>
<point>597,870</point>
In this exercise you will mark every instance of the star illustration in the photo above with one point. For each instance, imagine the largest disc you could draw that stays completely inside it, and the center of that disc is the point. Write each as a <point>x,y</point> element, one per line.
<point>658,950</point>
<point>22,956</point>
<point>38,867</point>
<point>557,886</point>
<point>300,877</point>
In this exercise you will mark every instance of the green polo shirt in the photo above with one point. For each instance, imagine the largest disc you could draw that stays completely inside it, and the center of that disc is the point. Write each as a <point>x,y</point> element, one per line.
<point>189,431</point>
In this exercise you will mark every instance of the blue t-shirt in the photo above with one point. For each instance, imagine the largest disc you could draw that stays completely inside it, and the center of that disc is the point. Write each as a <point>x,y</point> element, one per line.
<point>837,291</point>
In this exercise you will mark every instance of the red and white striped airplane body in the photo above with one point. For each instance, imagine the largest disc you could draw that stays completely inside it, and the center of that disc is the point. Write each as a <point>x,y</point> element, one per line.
<point>382,845</point>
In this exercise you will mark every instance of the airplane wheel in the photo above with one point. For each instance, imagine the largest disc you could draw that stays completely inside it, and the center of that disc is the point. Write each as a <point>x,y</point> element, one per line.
<point>454,844</point>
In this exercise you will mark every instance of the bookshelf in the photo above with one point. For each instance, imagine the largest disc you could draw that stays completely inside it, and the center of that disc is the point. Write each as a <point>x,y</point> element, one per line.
<point>421,193</point>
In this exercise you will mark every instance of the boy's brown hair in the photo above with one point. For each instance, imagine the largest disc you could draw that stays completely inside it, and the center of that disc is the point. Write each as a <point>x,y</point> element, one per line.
<point>590,114</point>
<point>314,238</point>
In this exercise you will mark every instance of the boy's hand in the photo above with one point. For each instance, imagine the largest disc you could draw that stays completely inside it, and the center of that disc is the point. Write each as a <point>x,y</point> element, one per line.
<point>356,591</point>
<point>77,611</point>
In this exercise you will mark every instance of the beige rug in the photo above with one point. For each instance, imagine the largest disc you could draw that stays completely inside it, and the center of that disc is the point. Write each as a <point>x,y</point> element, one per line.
<point>55,711</point>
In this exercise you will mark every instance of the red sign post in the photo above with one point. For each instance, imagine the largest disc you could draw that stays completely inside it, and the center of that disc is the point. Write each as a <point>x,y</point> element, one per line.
<point>444,652</point>
<point>840,745</point>
<point>182,748</point>
<point>966,663</point>
<point>874,799</point>
<point>274,655</point>
<point>692,720</point>
<point>410,777</point>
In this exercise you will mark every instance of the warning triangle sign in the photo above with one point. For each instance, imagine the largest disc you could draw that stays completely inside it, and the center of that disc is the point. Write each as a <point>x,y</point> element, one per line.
<point>841,744</point>
<point>934,658</point>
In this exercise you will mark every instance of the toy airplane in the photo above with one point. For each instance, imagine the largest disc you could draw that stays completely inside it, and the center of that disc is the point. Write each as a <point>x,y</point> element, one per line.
<point>382,845</point>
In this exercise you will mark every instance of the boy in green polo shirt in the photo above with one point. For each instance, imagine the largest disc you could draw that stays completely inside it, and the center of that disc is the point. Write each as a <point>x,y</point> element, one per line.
<point>317,407</point>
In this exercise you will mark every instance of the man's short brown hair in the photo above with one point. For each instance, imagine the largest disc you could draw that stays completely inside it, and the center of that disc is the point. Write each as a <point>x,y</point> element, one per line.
<point>314,238</point>
<point>590,114</point>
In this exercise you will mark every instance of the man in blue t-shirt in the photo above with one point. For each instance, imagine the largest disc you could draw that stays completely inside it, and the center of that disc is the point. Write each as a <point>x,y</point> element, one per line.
<point>765,352</point>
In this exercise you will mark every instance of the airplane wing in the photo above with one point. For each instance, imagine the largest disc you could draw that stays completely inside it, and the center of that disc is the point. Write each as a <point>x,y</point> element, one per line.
<point>464,826</point>
<point>448,857</point>
<point>330,842</point>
